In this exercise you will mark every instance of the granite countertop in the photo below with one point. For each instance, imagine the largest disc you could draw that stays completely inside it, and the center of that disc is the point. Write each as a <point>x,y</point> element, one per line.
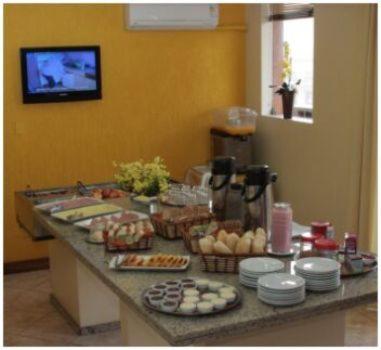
<point>251,315</point>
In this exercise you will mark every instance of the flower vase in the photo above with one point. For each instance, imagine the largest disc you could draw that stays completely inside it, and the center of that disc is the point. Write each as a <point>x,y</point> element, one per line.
<point>288,103</point>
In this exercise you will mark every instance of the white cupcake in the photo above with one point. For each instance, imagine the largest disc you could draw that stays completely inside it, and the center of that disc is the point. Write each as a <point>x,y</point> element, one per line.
<point>204,307</point>
<point>155,300</point>
<point>226,290</point>
<point>191,300</point>
<point>215,286</point>
<point>209,296</point>
<point>187,308</point>
<point>191,292</point>
<point>169,306</point>
<point>228,296</point>
<point>219,303</point>
<point>202,284</point>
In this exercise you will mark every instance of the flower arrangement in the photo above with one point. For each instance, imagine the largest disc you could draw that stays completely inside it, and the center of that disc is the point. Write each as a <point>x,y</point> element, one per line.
<point>287,89</point>
<point>148,179</point>
<point>286,86</point>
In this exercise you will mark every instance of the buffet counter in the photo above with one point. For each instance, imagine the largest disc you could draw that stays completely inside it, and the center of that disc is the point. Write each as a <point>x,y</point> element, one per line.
<point>95,296</point>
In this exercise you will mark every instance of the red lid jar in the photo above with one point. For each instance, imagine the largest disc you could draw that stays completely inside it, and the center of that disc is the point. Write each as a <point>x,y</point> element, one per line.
<point>326,247</point>
<point>319,227</point>
<point>326,244</point>
<point>309,237</point>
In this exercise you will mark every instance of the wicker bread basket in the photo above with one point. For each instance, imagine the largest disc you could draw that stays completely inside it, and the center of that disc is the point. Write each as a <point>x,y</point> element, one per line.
<point>174,230</point>
<point>224,263</point>
<point>191,239</point>
<point>118,246</point>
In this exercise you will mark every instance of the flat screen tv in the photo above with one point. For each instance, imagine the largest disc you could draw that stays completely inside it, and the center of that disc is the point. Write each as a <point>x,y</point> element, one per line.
<point>58,74</point>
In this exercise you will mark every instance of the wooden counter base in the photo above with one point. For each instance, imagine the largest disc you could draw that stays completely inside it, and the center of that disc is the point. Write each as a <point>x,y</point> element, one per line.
<point>323,330</point>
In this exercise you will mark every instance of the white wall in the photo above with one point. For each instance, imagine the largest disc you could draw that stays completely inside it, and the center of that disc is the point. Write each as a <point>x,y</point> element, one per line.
<point>319,163</point>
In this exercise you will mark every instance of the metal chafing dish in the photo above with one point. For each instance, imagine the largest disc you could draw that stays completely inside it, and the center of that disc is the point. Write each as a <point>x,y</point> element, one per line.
<point>27,199</point>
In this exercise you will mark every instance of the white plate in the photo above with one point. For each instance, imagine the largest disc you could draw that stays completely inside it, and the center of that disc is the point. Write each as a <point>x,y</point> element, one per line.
<point>282,292</point>
<point>85,223</point>
<point>260,265</point>
<point>115,262</point>
<point>281,298</point>
<point>282,303</point>
<point>248,284</point>
<point>281,281</point>
<point>318,277</point>
<point>321,289</point>
<point>317,265</point>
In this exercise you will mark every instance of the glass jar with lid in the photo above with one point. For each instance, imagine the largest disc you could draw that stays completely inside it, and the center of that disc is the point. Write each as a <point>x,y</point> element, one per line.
<point>307,244</point>
<point>327,248</point>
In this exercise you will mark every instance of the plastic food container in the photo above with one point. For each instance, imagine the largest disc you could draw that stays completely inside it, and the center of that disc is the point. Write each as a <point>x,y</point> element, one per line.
<point>327,248</point>
<point>235,120</point>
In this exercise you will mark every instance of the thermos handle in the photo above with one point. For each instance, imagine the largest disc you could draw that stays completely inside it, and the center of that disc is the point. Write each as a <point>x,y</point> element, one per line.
<point>224,183</point>
<point>257,194</point>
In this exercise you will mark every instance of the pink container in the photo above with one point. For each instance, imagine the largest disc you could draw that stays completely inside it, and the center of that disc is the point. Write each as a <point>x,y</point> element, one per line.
<point>281,228</point>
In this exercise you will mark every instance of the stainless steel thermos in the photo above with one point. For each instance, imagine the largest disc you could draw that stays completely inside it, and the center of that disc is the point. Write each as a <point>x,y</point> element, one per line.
<point>223,174</point>
<point>258,197</point>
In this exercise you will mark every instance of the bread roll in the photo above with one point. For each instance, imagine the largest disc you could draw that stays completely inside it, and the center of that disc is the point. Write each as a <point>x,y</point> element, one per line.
<point>206,246</point>
<point>243,246</point>
<point>210,238</point>
<point>248,234</point>
<point>260,232</point>
<point>258,245</point>
<point>231,241</point>
<point>221,248</point>
<point>222,236</point>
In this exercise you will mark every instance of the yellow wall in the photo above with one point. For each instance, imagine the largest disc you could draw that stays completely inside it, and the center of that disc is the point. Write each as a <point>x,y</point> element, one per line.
<point>157,89</point>
<point>319,164</point>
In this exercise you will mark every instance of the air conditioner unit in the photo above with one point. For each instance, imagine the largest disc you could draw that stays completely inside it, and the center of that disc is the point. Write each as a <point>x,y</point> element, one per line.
<point>171,16</point>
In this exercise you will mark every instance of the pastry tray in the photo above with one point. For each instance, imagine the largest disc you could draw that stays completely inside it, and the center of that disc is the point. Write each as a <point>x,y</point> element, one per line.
<point>237,302</point>
<point>117,260</point>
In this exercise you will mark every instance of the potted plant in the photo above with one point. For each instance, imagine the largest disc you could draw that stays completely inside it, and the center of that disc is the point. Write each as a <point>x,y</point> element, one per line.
<point>287,90</point>
<point>149,179</point>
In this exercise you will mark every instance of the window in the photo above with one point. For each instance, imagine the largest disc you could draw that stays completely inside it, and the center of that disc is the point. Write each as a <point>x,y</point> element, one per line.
<point>292,25</point>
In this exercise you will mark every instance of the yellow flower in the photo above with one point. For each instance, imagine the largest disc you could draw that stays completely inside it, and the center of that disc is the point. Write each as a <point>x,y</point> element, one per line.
<point>139,177</point>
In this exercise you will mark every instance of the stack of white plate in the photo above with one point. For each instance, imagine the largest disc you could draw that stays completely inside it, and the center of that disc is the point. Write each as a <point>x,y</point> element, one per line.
<point>281,289</point>
<point>321,274</point>
<point>253,268</point>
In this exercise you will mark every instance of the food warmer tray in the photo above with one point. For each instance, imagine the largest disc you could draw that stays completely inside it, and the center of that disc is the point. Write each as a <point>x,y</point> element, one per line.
<point>27,199</point>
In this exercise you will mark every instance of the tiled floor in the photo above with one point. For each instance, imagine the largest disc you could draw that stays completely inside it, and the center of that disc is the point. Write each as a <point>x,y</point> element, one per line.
<point>30,319</point>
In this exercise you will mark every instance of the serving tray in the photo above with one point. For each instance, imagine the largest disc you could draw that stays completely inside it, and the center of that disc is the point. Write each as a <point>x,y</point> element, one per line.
<point>116,261</point>
<point>85,224</point>
<point>237,302</point>
<point>88,212</point>
<point>367,268</point>
<point>62,205</point>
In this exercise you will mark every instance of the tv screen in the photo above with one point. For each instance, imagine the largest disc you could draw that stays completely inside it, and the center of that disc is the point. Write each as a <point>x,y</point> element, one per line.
<point>58,74</point>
